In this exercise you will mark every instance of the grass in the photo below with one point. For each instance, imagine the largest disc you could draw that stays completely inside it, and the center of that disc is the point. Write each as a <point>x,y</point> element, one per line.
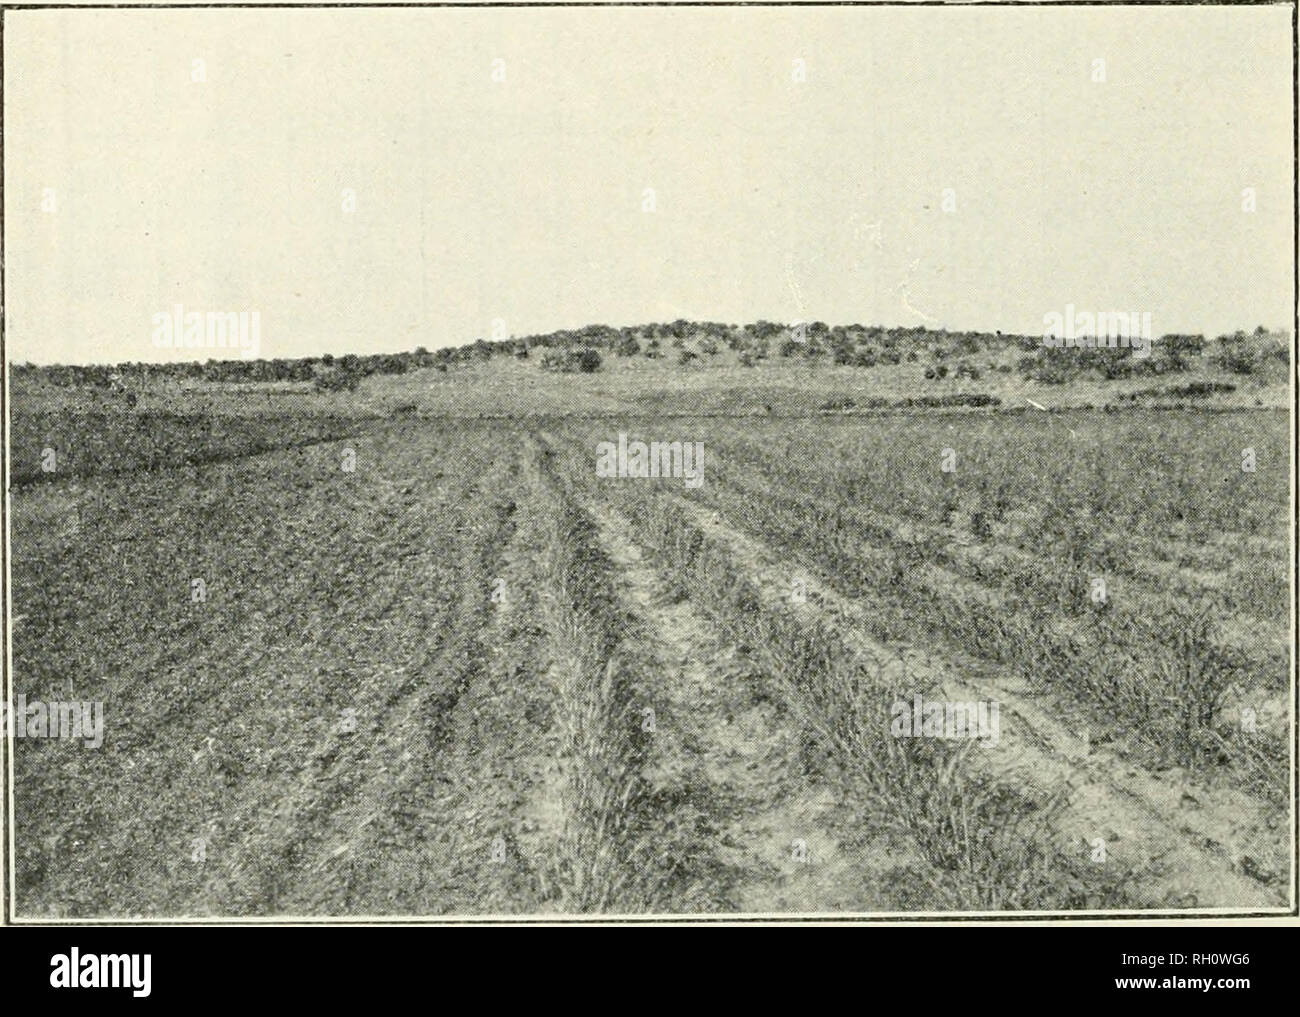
<point>1153,666</point>
<point>47,446</point>
<point>606,857</point>
<point>333,590</point>
<point>989,844</point>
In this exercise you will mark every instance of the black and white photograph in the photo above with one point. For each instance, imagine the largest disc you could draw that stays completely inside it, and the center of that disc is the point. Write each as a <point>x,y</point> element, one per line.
<point>579,463</point>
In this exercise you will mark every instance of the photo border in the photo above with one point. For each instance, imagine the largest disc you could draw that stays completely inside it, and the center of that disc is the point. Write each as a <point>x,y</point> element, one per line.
<point>1199,917</point>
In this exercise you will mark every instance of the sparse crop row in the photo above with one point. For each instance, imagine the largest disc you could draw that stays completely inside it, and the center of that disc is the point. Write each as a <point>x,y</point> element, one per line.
<point>1161,675</point>
<point>991,843</point>
<point>605,858</point>
<point>981,527</point>
<point>1050,481</point>
<point>1060,590</point>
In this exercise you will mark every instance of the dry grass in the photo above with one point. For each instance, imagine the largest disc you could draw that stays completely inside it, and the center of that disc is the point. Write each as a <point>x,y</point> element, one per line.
<point>990,845</point>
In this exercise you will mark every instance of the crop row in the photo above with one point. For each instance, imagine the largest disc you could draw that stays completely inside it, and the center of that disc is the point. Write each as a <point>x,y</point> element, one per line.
<point>1161,675</point>
<point>1068,585</point>
<point>990,840</point>
<point>1040,478</point>
<point>605,857</point>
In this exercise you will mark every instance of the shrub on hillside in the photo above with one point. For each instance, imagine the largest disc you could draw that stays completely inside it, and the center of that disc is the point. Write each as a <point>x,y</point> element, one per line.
<point>1179,348</point>
<point>1240,353</point>
<point>340,380</point>
<point>571,361</point>
<point>1236,360</point>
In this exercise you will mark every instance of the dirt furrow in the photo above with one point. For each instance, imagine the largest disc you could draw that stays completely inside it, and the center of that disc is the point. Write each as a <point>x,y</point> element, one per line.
<point>786,839</point>
<point>992,571</point>
<point>1190,847</point>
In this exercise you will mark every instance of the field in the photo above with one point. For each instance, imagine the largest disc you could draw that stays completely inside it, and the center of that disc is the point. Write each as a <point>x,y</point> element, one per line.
<point>405,652</point>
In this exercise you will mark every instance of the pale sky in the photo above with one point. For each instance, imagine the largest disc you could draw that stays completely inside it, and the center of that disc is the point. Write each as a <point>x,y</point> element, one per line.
<point>523,200</point>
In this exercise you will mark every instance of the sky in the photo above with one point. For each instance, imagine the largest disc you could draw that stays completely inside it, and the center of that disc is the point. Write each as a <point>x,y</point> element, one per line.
<point>365,181</point>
